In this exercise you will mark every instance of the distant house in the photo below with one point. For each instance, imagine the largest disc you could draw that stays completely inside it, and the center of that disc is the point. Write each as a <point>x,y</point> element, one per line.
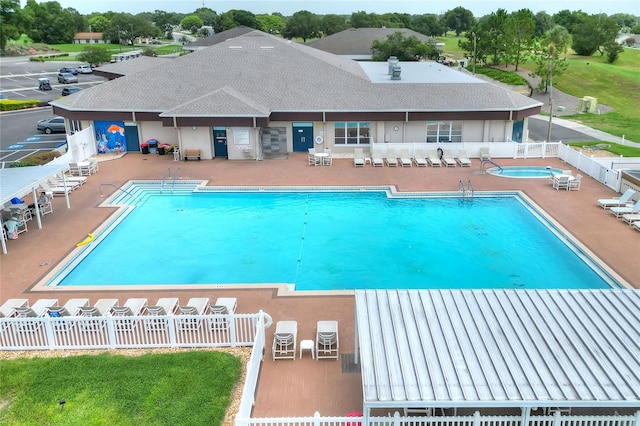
<point>88,38</point>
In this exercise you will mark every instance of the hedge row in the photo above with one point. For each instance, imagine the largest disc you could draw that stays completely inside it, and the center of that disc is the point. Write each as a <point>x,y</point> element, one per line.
<point>14,105</point>
<point>41,58</point>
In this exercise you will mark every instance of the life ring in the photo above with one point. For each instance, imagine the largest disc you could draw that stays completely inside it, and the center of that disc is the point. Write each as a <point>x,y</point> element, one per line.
<point>440,153</point>
<point>85,241</point>
<point>319,140</point>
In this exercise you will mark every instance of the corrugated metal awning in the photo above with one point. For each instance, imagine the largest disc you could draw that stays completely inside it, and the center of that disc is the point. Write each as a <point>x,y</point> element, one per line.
<point>454,348</point>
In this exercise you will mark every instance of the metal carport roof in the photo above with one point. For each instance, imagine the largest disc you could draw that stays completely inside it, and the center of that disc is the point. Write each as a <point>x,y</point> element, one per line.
<point>21,181</point>
<point>499,348</point>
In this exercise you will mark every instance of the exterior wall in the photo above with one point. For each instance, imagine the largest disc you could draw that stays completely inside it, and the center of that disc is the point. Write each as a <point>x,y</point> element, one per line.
<point>473,131</point>
<point>242,142</point>
<point>199,137</point>
<point>155,130</point>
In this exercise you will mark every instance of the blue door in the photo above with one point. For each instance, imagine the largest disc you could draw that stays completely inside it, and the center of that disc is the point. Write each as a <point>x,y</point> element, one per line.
<point>516,133</point>
<point>132,140</point>
<point>302,137</point>
<point>220,142</point>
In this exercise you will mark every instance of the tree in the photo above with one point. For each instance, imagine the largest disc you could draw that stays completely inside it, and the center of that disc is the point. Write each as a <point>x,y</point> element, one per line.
<point>209,17</point>
<point>95,55</point>
<point>331,24</point>
<point>593,33</point>
<point>98,23</point>
<point>458,19</point>
<point>546,56</point>
<point>544,22</point>
<point>190,22</point>
<point>612,50</point>
<point>569,19</point>
<point>404,48</point>
<point>10,21</point>
<point>520,27</point>
<point>427,24</point>
<point>49,23</point>
<point>395,20</point>
<point>494,31</point>
<point>272,24</point>
<point>303,24</point>
<point>362,19</point>
<point>237,18</point>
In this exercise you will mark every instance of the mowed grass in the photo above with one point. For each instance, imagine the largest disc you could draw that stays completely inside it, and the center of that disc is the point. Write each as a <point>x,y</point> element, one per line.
<point>185,388</point>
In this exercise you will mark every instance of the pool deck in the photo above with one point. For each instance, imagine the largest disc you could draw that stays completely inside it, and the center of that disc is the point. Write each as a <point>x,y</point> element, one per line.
<point>300,387</point>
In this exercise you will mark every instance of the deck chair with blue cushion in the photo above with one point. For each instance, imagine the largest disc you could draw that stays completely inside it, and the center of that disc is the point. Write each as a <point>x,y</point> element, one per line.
<point>606,203</point>
<point>70,309</point>
<point>327,340</point>
<point>284,340</point>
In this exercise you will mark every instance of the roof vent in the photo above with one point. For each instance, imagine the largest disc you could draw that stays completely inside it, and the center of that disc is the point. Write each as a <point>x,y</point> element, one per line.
<point>395,73</point>
<point>235,47</point>
<point>266,47</point>
<point>392,61</point>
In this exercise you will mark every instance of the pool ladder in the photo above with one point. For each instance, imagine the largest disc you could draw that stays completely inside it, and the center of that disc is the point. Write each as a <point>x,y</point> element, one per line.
<point>173,179</point>
<point>467,192</point>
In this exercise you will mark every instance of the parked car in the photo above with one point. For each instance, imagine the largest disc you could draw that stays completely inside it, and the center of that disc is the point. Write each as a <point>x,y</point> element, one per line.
<point>155,41</point>
<point>51,125</point>
<point>67,77</point>
<point>70,70</point>
<point>69,90</point>
<point>85,69</point>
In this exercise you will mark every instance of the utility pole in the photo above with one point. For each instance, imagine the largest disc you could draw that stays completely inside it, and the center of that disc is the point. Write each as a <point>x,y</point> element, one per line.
<point>552,54</point>
<point>474,52</point>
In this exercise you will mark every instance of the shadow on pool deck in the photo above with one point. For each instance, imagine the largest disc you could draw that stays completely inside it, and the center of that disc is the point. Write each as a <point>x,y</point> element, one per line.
<point>300,387</point>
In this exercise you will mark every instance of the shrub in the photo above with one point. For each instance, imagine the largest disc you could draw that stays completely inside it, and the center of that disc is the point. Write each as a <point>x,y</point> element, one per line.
<point>15,105</point>
<point>38,159</point>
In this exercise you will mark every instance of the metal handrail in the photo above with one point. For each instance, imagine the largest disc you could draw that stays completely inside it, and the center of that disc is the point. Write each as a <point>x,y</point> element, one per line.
<point>118,188</point>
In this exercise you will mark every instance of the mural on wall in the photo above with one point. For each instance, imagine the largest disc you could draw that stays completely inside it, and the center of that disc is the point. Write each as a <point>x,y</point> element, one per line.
<point>110,136</point>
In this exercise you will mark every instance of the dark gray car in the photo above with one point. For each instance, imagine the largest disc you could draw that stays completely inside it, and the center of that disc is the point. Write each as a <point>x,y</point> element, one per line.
<point>52,125</point>
<point>66,78</point>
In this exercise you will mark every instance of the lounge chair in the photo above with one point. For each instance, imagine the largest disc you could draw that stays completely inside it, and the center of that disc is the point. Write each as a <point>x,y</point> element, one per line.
<point>574,184</point>
<point>55,190</point>
<point>89,166</point>
<point>193,309</point>
<point>102,308</point>
<point>561,182</point>
<point>358,157</point>
<point>462,158</point>
<point>38,309</point>
<point>447,158</point>
<point>133,307</point>
<point>630,218</point>
<point>327,340</point>
<point>390,158</point>
<point>376,158</point>
<point>70,309</point>
<point>628,209</point>
<point>284,340</point>
<point>405,158</point>
<point>9,307</point>
<point>164,306</point>
<point>433,159</point>
<point>56,181</point>
<point>614,202</point>
<point>419,158</point>
<point>77,179</point>
<point>636,226</point>
<point>223,307</point>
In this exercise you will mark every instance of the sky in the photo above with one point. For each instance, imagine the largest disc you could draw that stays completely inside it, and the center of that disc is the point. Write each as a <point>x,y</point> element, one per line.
<point>414,7</point>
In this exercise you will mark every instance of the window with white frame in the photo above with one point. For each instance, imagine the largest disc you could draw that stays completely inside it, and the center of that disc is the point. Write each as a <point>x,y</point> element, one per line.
<point>352,133</point>
<point>75,126</point>
<point>444,131</point>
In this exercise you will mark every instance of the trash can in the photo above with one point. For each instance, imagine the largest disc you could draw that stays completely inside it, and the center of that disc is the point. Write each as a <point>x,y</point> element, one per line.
<point>153,146</point>
<point>144,147</point>
<point>161,149</point>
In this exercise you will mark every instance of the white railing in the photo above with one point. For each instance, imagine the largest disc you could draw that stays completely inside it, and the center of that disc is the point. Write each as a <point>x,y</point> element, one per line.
<point>247,400</point>
<point>474,420</point>
<point>110,332</point>
<point>496,149</point>
<point>602,169</point>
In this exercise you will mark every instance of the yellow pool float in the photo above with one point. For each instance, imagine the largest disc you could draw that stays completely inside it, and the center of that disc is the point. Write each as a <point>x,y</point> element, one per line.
<point>86,240</point>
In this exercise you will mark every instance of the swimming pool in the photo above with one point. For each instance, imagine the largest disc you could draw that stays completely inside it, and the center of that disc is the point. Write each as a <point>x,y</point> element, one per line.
<point>333,241</point>
<point>523,171</point>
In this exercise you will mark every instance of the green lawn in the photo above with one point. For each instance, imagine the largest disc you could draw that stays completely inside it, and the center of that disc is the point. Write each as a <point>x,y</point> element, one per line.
<point>185,388</point>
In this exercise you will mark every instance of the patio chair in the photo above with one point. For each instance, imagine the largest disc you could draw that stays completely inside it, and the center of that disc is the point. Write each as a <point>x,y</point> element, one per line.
<point>327,341</point>
<point>561,182</point>
<point>70,309</point>
<point>222,308</point>
<point>419,158</point>
<point>358,157</point>
<point>195,307</point>
<point>433,159</point>
<point>574,184</point>
<point>38,309</point>
<point>447,158</point>
<point>484,153</point>
<point>8,308</point>
<point>102,308</point>
<point>391,158</point>
<point>88,167</point>
<point>628,209</point>
<point>284,340</point>
<point>164,306</point>
<point>133,307</point>
<point>462,158</point>
<point>614,202</point>
<point>328,159</point>
<point>405,158</point>
<point>376,158</point>
<point>313,159</point>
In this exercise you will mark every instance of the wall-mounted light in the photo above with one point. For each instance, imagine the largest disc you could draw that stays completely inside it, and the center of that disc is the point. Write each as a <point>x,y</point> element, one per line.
<point>194,127</point>
<point>396,128</point>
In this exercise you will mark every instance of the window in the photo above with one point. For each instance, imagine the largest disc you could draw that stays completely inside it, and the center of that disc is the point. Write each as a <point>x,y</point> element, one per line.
<point>75,126</point>
<point>352,134</point>
<point>444,131</point>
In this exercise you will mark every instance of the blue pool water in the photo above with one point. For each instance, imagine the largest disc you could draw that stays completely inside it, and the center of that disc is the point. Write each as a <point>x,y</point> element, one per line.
<point>523,171</point>
<point>326,241</point>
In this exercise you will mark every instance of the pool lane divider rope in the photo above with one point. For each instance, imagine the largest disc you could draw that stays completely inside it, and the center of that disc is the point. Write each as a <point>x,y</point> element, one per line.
<point>304,232</point>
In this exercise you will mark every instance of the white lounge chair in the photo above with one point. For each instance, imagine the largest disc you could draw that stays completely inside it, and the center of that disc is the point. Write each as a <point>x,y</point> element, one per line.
<point>447,158</point>
<point>55,190</point>
<point>630,218</point>
<point>636,225</point>
<point>463,158</point>
<point>358,157</point>
<point>419,158</point>
<point>327,340</point>
<point>72,178</point>
<point>223,307</point>
<point>164,306</point>
<point>606,203</point>
<point>376,158</point>
<point>70,309</point>
<point>390,158</point>
<point>132,307</point>
<point>38,309</point>
<point>193,309</point>
<point>405,158</point>
<point>54,182</point>
<point>8,308</point>
<point>102,308</point>
<point>628,209</point>
<point>284,340</point>
<point>432,158</point>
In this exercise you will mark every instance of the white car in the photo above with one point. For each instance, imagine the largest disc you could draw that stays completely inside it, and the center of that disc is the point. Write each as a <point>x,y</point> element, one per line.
<point>85,69</point>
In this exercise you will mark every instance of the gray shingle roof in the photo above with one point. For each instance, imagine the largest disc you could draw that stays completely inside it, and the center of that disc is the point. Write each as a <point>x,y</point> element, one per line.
<point>358,41</point>
<point>267,72</point>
